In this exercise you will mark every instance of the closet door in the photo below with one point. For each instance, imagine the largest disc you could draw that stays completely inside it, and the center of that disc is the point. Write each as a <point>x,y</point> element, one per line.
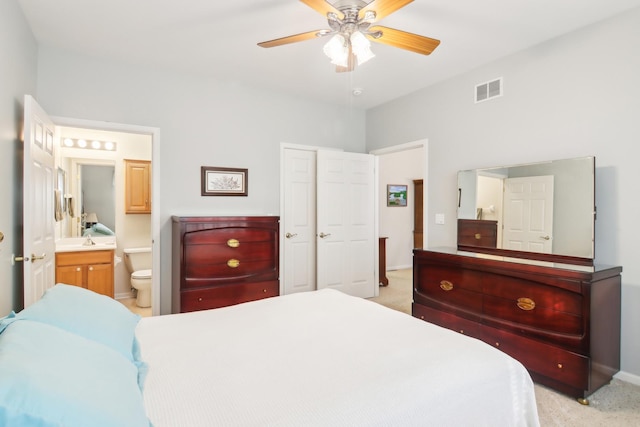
<point>346,243</point>
<point>327,222</point>
<point>298,221</point>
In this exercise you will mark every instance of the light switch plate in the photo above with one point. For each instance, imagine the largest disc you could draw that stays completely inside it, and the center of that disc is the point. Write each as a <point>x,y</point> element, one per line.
<point>440,218</point>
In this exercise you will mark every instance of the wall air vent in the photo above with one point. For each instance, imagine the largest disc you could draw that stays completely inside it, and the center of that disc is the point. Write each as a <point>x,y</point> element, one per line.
<point>488,90</point>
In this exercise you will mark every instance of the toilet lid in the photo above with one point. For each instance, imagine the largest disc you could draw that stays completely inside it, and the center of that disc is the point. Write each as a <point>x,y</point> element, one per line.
<point>141,274</point>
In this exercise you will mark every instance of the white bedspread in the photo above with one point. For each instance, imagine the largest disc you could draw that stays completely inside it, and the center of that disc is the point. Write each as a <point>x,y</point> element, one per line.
<point>325,359</point>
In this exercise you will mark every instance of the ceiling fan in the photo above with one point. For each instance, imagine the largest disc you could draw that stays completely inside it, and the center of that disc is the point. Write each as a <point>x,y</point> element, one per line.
<point>350,23</point>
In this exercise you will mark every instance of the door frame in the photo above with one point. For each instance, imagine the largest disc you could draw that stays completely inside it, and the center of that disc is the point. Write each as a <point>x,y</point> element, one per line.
<point>420,143</point>
<point>154,133</point>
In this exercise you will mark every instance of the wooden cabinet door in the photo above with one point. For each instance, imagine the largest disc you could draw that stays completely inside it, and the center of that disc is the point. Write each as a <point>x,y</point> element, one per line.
<point>70,275</point>
<point>100,278</point>
<point>137,186</point>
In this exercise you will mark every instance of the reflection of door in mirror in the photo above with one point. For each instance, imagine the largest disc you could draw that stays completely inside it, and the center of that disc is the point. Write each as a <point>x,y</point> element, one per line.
<point>528,214</point>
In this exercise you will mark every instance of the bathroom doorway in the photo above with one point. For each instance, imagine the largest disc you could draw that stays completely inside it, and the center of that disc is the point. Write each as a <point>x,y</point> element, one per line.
<point>131,230</point>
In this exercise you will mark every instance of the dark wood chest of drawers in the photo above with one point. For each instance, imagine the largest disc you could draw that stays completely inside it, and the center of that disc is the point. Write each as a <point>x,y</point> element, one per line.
<point>561,322</point>
<point>221,261</point>
<point>477,233</point>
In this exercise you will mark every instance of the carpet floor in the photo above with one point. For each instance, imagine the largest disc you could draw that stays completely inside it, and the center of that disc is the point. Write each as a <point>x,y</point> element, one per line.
<point>614,405</point>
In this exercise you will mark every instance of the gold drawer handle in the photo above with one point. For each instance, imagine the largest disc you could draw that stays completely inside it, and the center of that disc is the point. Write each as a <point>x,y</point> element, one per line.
<point>526,304</point>
<point>233,263</point>
<point>478,236</point>
<point>559,365</point>
<point>233,243</point>
<point>446,285</point>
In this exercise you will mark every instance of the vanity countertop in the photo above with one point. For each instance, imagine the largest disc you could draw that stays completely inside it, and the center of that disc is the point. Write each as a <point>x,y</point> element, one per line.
<point>78,244</point>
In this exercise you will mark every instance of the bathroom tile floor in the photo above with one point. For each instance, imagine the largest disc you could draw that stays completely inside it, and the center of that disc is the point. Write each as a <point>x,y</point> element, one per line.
<point>130,303</point>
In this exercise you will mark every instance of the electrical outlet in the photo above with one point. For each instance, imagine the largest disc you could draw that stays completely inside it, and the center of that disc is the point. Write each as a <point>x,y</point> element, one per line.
<point>440,218</point>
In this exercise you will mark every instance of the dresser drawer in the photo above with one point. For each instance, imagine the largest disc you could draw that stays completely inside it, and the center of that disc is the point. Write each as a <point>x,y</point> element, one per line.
<point>446,320</point>
<point>545,359</point>
<point>453,287</point>
<point>538,319</point>
<point>222,296</point>
<point>231,236</point>
<point>248,251</point>
<point>544,296</point>
<point>227,271</point>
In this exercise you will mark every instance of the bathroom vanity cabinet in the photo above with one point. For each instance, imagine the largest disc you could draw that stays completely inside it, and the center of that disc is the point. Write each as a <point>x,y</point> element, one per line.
<point>222,261</point>
<point>91,270</point>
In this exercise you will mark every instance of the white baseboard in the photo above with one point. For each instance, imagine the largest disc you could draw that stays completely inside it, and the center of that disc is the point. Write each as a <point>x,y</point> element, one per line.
<point>628,377</point>
<point>124,295</point>
<point>399,267</point>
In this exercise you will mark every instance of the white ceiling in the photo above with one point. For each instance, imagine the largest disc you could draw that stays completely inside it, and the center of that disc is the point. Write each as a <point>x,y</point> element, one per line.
<point>219,39</point>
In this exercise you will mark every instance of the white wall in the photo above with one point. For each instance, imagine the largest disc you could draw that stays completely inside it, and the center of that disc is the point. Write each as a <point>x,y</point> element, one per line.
<point>574,96</point>
<point>18,62</point>
<point>396,223</point>
<point>203,122</point>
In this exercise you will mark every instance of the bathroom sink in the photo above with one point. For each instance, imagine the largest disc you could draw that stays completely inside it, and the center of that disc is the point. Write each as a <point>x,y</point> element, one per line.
<point>79,244</point>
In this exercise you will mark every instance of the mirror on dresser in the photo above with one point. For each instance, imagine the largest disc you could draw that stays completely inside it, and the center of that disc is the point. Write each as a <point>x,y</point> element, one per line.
<point>542,210</point>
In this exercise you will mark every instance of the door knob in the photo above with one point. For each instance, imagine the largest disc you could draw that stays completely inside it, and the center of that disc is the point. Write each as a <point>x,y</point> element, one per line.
<point>323,235</point>
<point>35,257</point>
<point>545,237</point>
<point>290,235</point>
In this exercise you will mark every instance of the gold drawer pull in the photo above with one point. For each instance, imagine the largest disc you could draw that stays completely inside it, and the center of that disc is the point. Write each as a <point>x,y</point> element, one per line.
<point>233,243</point>
<point>478,236</point>
<point>526,304</point>
<point>233,263</point>
<point>446,285</point>
<point>559,365</point>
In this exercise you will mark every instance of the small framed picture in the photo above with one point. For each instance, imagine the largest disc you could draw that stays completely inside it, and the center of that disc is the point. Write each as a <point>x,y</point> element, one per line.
<point>396,195</point>
<point>223,181</point>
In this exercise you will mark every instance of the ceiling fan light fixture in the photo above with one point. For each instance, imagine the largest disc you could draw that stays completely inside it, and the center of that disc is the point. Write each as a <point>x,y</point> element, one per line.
<point>336,49</point>
<point>361,47</point>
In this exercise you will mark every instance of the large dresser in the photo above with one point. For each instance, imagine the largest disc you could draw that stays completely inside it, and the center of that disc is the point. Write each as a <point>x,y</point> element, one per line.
<point>221,261</point>
<point>562,322</point>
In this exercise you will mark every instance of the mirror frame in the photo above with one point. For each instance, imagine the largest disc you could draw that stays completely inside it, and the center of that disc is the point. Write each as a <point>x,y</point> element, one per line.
<point>551,257</point>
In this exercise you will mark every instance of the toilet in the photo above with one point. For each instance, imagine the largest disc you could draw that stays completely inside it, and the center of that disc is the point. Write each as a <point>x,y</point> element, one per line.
<point>138,262</point>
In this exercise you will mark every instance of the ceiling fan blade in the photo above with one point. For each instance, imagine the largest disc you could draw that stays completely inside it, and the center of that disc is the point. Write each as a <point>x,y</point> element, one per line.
<point>323,7</point>
<point>403,40</point>
<point>293,39</point>
<point>383,8</point>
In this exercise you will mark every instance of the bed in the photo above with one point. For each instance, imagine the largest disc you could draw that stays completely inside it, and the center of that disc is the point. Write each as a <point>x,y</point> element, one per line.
<point>311,359</point>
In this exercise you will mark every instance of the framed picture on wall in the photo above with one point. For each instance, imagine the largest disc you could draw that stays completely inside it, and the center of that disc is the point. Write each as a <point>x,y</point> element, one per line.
<point>396,195</point>
<point>217,181</point>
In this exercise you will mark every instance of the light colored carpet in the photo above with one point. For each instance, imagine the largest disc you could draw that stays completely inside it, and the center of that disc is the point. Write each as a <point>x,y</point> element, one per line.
<point>614,405</point>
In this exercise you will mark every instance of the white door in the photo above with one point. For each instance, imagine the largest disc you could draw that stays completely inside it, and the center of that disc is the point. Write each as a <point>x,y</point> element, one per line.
<point>38,201</point>
<point>346,241</point>
<point>528,214</point>
<point>299,221</point>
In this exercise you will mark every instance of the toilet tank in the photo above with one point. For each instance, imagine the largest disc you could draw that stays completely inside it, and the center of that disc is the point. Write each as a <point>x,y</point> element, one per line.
<point>137,259</point>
